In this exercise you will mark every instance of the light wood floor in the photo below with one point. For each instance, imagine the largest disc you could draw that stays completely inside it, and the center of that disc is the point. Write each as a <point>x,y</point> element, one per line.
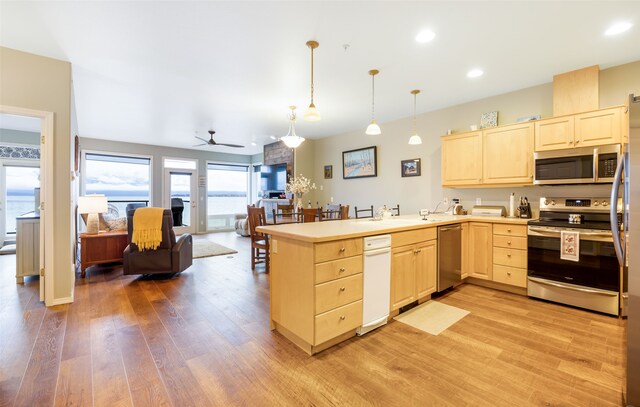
<point>203,339</point>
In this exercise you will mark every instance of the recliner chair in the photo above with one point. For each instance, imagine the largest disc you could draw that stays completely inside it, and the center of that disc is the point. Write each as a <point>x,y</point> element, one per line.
<point>177,207</point>
<point>170,257</point>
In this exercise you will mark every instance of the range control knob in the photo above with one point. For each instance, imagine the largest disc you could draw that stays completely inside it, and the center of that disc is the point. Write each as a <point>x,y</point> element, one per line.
<point>553,202</point>
<point>546,202</point>
<point>605,203</point>
<point>596,203</point>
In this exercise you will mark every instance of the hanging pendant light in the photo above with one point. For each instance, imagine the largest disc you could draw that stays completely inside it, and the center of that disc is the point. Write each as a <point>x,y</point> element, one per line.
<point>373,129</point>
<point>312,114</point>
<point>292,140</point>
<point>414,139</point>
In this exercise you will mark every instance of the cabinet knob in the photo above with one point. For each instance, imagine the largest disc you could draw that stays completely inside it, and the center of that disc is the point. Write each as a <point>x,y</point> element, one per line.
<point>342,317</point>
<point>342,288</point>
<point>342,269</point>
<point>569,142</point>
<point>508,254</point>
<point>509,242</point>
<point>509,230</point>
<point>577,141</point>
<point>341,249</point>
<point>508,273</point>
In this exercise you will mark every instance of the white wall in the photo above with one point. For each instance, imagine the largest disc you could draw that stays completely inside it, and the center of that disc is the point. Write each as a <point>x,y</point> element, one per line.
<point>414,193</point>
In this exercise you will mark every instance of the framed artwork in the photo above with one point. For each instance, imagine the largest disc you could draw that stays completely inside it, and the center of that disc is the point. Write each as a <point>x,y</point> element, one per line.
<point>360,163</point>
<point>489,119</point>
<point>411,168</point>
<point>328,171</point>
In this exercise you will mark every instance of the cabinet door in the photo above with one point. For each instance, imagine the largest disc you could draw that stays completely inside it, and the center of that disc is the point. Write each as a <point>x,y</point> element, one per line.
<point>480,250</point>
<point>507,155</point>
<point>462,159</point>
<point>403,276</point>
<point>426,267</point>
<point>465,250</point>
<point>599,127</point>
<point>554,134</point>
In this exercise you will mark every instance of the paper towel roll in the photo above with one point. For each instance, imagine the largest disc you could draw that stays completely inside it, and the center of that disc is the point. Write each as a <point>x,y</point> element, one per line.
<point>512,205</point>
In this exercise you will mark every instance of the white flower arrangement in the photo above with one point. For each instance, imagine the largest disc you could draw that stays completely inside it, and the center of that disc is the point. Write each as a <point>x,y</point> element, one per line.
<point>300,185</point>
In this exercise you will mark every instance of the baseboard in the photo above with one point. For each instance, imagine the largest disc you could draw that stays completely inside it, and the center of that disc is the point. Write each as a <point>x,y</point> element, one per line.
<point>496,286</point>
<point>60,301</point>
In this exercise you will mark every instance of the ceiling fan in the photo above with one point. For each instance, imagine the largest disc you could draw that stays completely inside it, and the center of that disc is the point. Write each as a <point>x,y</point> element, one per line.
<point>212,142</point>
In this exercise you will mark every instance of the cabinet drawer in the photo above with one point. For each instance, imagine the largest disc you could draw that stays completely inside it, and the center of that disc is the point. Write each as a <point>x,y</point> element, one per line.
<point>510,275</point>
<point>413,236</point>
<point>338,249</point>
<point>509,230</point>
<point>338,292</point>
<point>510,257</point>
<point>336,322</point>
<point>510,242</point>
<point>338,268</point>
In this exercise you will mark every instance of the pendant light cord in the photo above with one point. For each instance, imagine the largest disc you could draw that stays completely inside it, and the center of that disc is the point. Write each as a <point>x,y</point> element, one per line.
<point>373,96</point>
<point>415,96</point>
<point>311,75</point>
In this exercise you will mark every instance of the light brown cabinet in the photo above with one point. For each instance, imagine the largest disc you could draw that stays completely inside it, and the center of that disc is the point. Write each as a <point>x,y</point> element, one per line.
<point>507,154</point>
<point>462,159</point>
<point>510,254</point>
<point>464,249</point>
<point>413,272</point>
<point>480,253</point>
<point>600,127</point>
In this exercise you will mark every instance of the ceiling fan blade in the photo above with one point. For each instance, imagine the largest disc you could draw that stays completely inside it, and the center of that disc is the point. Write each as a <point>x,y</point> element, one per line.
<point>229,145</point>
<point>201,139</point>
<point>199,145</point>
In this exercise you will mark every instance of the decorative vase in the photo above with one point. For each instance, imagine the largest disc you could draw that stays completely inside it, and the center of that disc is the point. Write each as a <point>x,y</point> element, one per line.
<point>299,203</point>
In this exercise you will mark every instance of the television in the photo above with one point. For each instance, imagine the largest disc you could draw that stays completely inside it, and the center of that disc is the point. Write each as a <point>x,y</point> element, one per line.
<point>273,177</point>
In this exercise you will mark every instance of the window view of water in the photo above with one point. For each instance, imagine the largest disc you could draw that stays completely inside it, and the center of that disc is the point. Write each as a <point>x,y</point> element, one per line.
<point>16,206</point>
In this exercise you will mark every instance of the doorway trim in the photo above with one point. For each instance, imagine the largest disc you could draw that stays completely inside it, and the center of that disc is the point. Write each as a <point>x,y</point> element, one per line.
<point>47,247</point>
<point>166,198</point>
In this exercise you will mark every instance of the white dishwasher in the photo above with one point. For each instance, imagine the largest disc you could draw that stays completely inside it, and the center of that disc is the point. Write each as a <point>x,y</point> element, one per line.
<point>377,282</point>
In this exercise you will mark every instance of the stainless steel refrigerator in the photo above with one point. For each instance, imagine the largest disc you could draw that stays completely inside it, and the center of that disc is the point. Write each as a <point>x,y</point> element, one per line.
<point>627,246</point>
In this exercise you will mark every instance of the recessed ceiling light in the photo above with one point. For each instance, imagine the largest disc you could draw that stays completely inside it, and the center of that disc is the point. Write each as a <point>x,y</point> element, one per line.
<point>618,28</point>
<point>474,73</point>
<point>253,143</point>
<point>272,137</point>
<point>425,36</point>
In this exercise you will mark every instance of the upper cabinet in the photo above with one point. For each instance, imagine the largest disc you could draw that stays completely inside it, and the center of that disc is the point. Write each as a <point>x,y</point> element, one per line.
<point>507,154</point>
<point>462,159</point>
<point>589,129</point>
<point>599,127</point>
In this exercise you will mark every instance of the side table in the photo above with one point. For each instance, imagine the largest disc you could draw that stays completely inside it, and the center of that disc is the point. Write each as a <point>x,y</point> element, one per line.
<point>103,247</point>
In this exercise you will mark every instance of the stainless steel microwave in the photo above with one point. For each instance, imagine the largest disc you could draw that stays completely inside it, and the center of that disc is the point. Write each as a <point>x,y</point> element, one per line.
<point>585,165</point>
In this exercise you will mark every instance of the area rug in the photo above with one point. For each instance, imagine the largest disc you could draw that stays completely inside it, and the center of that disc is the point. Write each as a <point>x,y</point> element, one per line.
<point>432,317</point>
<point>8,249</point>
<point>205,248</point>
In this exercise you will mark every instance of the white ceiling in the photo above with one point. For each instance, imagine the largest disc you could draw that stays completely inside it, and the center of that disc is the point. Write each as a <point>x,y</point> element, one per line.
<point>22,123</point>
<point>156,72</point>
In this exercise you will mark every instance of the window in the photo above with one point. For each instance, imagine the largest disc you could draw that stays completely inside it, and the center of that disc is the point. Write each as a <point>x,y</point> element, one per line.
<point>256,190</point>
<point>21,183</point>
<point>227,194</point>
<point>122,179</point>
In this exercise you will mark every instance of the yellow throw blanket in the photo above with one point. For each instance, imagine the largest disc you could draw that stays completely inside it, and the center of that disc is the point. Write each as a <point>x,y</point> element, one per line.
<point>147,228</point>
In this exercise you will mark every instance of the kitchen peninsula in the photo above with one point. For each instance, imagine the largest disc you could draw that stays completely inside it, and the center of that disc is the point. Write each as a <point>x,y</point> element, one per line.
<point>317,269</point>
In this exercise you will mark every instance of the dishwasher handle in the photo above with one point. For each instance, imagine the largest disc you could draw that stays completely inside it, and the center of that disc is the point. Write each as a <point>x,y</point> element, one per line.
<point>376,252</point>
<point>452,227</point>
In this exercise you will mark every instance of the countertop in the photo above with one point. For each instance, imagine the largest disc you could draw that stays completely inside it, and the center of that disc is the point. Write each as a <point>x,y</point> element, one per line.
<point>26,216</point>
<point>343,229</point>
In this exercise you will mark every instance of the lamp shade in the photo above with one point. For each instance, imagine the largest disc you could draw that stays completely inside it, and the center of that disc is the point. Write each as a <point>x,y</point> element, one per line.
<point>312,114</point>
<point>373,129</point>
<point>292,141</point>
<point>415,139</point>
<point>92,204</point>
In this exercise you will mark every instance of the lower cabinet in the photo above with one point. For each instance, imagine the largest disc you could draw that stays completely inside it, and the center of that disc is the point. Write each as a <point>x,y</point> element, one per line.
<point>413,272</point>
<point>480,250</point>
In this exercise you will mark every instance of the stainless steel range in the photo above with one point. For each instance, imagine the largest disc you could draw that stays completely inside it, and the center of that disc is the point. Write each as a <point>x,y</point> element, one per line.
<point>590,278</point>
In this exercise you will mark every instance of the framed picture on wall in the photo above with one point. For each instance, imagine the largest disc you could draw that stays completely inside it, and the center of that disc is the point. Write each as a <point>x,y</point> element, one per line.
<point>410,168</point>
<point>328,171</point>
<point>360,163</point>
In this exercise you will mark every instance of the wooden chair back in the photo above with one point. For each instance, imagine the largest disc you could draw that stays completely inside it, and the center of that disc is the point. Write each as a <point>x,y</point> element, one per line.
<point>256,217</point>
<point>285,208</point>
<point>363,213</point>
<point>309,214</point>
<point>396,210</point>
<point>345,211</point>
<point>286,217</point>
<point>333,212</point>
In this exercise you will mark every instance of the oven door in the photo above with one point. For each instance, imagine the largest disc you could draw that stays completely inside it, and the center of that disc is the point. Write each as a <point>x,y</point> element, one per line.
<point>575,166</point>
<point>597,266</point>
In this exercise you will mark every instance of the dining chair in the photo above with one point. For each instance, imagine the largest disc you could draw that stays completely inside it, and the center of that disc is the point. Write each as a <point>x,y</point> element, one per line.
<point>345,211</point>
<point>309,214</point>
<point>333,212</point>
<point>259,241</point>
<point>363,213</point>
<point>280,218</point>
